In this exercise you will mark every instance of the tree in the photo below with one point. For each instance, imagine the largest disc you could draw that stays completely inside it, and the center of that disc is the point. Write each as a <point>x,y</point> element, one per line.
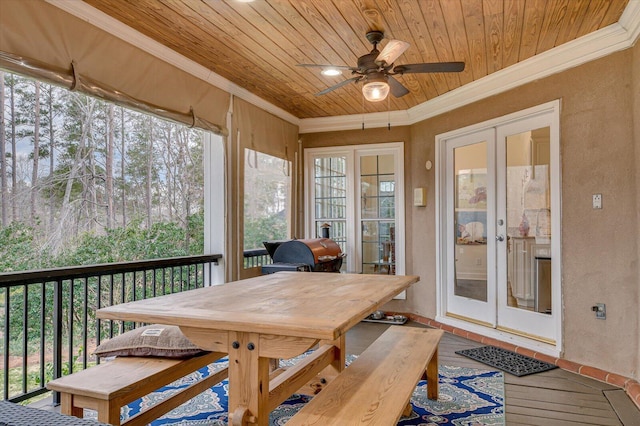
<point>109,195</point>
<point>14,151</point>
<point>123,151</point>
<point>80,107</point>
<point>52,111</point>
<point>149,169</point>
<point>4,194</point>
<point>36,151</point>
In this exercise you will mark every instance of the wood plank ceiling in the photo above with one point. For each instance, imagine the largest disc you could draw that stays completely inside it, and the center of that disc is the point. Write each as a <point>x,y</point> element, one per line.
<point>258,45</point>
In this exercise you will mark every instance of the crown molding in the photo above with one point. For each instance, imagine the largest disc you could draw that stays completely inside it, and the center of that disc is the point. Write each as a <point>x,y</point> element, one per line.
<point>352,122</point>
<point>101,20</point>
<point>630,20</point>
<point>616,37</point>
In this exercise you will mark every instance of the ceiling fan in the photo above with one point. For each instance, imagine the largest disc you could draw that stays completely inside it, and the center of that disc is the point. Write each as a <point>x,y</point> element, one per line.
<point>377,72</point>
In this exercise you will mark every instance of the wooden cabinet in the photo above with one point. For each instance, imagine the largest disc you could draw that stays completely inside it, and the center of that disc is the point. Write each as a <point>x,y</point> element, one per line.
<point>521,265</point>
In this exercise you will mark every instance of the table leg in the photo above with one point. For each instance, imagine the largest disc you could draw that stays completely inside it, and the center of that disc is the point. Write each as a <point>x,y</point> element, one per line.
<point>432,377</point>
<point>338,363</point>
<point>248,380</point>
<point>333,369</point>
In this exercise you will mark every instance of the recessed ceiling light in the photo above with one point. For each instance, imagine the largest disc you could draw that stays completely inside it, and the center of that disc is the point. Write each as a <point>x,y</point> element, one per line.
<point>331,72</point>
<point>244,1</point>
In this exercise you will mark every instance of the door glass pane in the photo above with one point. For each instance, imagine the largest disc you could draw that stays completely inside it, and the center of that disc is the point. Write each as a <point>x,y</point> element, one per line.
<point>330,179</point>
<point>529,221</point>
<point>377,189</point>
<point>470,195</point>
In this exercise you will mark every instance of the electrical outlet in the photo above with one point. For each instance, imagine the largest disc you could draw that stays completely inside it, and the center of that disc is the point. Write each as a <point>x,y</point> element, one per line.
<point>601,310</point>
<point>597,201</point>
<point>478,261</point>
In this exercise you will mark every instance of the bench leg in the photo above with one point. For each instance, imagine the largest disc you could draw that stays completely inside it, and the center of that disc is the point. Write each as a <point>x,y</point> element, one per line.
<point>408,410</point>
<point>109,413</point>
<point>67,408</point>
<point>432,377</point>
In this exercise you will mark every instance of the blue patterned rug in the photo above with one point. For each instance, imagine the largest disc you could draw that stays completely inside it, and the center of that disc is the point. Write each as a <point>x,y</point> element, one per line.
<point>467,397</point>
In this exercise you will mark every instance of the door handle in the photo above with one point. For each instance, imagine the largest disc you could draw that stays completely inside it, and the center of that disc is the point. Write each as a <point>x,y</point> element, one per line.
<point>499,237</point>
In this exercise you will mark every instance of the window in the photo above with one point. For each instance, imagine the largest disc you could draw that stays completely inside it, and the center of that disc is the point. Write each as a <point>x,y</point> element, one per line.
<point>267,199</point>
<point>330,181</point>
<point>85,181</point>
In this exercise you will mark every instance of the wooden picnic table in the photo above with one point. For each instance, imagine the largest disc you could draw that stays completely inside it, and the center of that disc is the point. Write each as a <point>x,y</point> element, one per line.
<point>279,315</point>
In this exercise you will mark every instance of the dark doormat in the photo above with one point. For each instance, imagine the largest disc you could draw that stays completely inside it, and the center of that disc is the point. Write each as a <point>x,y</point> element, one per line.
<point>511,362</point>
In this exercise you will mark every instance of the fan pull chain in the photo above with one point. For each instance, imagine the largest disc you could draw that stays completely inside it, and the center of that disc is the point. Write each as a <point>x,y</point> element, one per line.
<point>389,113</point>
<point>363,111</point>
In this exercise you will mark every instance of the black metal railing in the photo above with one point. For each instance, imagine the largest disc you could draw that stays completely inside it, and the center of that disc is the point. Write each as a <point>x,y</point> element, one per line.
<point>49,328</point>
<point>256,257</point>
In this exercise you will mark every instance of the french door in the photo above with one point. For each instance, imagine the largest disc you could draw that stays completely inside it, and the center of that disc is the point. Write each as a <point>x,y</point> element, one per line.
<point>470,221</point>
<point>499,226</point>
<point>359,192</point>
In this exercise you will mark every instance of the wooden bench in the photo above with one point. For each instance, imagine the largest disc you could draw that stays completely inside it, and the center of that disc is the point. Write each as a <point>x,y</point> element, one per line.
<point>113,384</point>
<point>376,388</point>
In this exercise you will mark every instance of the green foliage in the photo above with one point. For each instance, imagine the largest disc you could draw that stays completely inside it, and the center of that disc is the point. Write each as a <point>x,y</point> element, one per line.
<point>195,233</point>
<point>258,230</point>
<point>19,250</point>
<point>134,242</point>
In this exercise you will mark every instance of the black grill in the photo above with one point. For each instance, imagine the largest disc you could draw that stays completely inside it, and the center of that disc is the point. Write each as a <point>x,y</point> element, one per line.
<point>311,255</point>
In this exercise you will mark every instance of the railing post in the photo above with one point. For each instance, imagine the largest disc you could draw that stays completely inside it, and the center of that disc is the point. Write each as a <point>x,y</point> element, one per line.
<point>7,339</point>
<point>57,336</point>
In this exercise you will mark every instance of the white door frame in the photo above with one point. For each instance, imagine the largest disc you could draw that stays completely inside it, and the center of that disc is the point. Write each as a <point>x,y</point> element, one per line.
<point>553,109</point>
<point>353,153</point>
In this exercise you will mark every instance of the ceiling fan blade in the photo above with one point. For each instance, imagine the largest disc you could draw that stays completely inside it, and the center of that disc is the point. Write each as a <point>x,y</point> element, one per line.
<point>391,52</point>
<point>429,67</point>
<point>337,86</point>
<point>396,88</point>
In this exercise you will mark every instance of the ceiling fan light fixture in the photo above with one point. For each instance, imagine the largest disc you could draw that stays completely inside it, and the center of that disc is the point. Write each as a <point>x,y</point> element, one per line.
<point>376,70</point>
<point>375,91</point>
<point>331,72</point>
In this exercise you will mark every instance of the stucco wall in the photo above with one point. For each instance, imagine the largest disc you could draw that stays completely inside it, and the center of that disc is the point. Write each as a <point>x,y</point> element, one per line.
<point>600,247</point>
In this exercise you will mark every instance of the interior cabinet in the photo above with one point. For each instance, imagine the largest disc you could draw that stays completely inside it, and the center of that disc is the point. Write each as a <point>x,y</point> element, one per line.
<point>522,274</point>
<point>471,262</point>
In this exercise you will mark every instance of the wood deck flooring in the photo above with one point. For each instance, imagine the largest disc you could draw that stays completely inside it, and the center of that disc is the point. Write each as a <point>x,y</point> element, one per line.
<point>555,397</point>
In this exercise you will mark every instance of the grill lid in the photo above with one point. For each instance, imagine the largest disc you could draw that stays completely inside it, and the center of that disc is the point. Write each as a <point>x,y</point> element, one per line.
<point>271,246</point>
<point>308,251</point>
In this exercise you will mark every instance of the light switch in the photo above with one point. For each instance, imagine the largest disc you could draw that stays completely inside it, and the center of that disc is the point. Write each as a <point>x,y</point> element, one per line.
<point>597,201</point>
<point>420,197</point>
